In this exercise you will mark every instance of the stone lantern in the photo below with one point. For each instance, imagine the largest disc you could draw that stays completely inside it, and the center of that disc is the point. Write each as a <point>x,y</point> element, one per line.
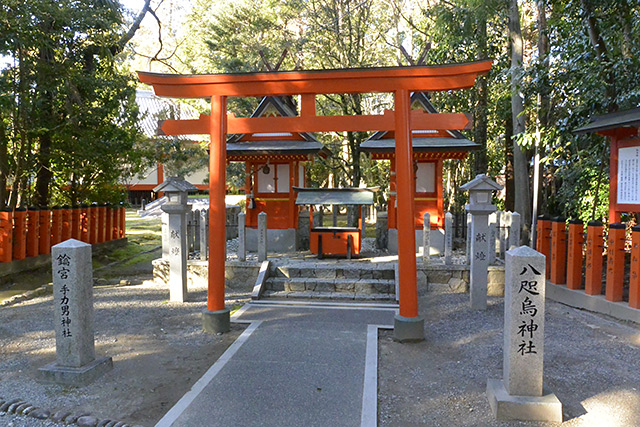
<point>174,242</point>
<point>480,189</point>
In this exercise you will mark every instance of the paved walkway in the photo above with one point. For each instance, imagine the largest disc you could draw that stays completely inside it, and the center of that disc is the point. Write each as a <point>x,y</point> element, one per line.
<point>295,365</point>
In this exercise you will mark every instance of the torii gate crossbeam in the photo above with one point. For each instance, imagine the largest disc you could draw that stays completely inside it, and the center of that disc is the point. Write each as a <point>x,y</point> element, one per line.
<point>399,80</point>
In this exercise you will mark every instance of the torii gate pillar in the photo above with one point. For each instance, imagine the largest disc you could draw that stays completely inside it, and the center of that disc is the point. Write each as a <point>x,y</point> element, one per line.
<point>408,325</point>
<point>216,318</point>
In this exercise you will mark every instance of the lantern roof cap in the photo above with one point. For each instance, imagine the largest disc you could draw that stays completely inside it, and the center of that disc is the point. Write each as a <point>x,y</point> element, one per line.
<point>481,182</point>
<point>175,185</point>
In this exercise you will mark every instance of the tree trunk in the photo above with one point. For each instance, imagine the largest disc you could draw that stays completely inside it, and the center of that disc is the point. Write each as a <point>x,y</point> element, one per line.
<point>480,164</point>
<point>522,196</point>
<point>4,165</point>
<point>508,170</point>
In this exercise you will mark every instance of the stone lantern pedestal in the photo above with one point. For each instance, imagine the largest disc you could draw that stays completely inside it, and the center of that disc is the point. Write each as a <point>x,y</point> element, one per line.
<point>480,191</point>
<point>176,190</point>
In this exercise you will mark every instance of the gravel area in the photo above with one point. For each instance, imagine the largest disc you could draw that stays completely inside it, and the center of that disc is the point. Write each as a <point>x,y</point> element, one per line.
<point>591,365</point>
<point>158,348</point>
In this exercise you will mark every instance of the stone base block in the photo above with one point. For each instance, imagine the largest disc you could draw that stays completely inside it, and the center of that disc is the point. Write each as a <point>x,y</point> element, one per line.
<point>277,240</point>
<point>524,408</point>
<point>436,240</point>
<point>214,322</point>
<point>408,329</point>
<point>65,375</point>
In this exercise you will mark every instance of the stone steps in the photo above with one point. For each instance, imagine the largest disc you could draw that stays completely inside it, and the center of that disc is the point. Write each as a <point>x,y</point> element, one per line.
<point>362,286</point>
<point>331,281</point>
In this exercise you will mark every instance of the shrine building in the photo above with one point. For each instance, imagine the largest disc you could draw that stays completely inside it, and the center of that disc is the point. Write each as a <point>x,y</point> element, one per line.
<point>430,149</point>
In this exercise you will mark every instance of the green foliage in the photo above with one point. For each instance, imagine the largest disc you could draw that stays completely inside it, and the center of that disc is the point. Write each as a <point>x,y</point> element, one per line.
<point>68,114</point>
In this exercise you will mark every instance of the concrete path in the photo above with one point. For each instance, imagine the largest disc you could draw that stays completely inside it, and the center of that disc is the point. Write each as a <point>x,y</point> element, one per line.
<point>295,365</point>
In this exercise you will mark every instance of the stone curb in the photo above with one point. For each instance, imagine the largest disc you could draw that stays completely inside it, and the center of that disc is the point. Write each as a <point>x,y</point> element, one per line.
<point>42,290</point>
<point>20,407</point>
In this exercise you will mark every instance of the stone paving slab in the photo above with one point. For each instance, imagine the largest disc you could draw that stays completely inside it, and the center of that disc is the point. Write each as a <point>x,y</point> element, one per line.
<point>294,366</point>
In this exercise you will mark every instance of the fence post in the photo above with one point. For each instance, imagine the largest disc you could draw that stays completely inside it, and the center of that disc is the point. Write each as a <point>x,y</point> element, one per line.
<point>33,231</point>
<point>19,233</point>
<point>448,237</point>
<point>75,222</point>
<point>84,223</point>
<point>242,247</point>
<point>93,224</point>
<point>204,234</point>
<point>426,238</point>
<point>101,213</point>
<point>66,223</point>
<point>493,237</point>
<point>56,225</point>
<point>558,251</point>
<point>514,231</point>
<point>114,223</point>
<point>593,271</point>
<point>544,241</point>
<point>44,242</point>
<point>108,223</point>
<point>574,254</point>
<point>634,276</point>
<point>262,236</point>
<point>615,262</point>
<point>6,235</point>
<point>122,228</point>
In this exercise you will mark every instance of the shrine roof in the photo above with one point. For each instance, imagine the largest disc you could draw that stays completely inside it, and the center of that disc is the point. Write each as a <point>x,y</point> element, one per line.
<point>244,148</point>
<point>436,143</point>
<point>384,142</point>
<point>334,196</point>
<point>620,119</point>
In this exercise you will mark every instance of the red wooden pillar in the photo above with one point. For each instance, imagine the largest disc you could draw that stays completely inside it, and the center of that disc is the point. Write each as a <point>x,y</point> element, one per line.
<point>101,213</point>
<point>44,242</point>
<point>115,221</point>
<point>93,224</point>
<point>33,232</point>
<point>20,233</point>
<point>593,270</point>
<point>66,223</point>
<point>558,251</point>
<point>574,254</point>
<point>217,214</point>
<point>544,241</point>
<point>122,218</point>
<point>6,235</point>
<point>108,223</point>
<point>84,223</point>
<point>634,276</point>
<point>56,226</point>
<point>76,222</point>
<point>407,271</point>
<point>615,262</point>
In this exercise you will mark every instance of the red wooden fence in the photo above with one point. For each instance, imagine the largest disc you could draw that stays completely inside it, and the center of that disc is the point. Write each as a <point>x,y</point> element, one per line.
<point>28,233</point>
<point>570,251</point>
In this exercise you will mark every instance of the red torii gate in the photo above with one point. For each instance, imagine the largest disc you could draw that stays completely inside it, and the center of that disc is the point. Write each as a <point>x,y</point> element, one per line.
<point>399,80</point>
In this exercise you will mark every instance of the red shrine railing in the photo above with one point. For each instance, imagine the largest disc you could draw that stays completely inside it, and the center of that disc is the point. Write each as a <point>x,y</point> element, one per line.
<point>597,264</point>
<point>29,233</point>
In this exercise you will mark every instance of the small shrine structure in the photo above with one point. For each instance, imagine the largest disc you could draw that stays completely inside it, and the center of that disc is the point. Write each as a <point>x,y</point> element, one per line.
<point>401,81</point>
<point>430,148</point>
<point>623,130</point>
<point>274,163</point>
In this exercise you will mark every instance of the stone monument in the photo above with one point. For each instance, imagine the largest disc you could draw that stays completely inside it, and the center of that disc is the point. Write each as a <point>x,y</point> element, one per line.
<point>448,238</point>
<point>262,236</point>
<point>176,190</point>
<point>76,362</point>
<point>480,190</point>
<point>520,395</point>
<point>242,236</point>
<point>426,238</point>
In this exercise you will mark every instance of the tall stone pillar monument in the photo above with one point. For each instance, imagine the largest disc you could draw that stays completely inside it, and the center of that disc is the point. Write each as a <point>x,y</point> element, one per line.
<point>176,208</point>
<point>480,191</point>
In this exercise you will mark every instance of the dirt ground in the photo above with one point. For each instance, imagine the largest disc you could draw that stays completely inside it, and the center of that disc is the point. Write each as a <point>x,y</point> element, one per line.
<point>158,348</point>
<point>590,364</point>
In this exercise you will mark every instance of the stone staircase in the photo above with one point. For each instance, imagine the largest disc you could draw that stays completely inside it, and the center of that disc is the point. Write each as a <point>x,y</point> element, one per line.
<point>331,281</point>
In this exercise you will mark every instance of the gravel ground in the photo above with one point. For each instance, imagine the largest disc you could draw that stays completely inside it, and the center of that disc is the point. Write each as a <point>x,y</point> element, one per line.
<point>591,364</point>
<point>159,351</point>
